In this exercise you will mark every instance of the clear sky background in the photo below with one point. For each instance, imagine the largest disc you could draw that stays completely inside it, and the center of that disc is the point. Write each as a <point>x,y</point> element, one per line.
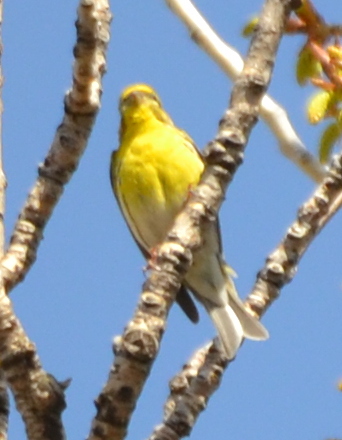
<point>84,286</point>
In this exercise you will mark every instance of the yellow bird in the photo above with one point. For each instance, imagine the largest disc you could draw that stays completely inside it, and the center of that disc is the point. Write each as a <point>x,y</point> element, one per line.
<point>152,172</point>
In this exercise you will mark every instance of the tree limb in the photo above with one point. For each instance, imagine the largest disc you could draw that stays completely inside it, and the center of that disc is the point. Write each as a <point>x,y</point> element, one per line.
<point>38,396</point>
<point>4,407</point>
<point>82,102</point>
<point>190,391</point>
<point>313,215</point>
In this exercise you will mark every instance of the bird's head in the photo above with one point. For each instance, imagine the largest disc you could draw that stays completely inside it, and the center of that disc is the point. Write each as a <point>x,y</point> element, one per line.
<point>140,103</point>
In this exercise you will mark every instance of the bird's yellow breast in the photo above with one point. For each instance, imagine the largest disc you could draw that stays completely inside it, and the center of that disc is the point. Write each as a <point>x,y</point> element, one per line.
<point>155,171</point>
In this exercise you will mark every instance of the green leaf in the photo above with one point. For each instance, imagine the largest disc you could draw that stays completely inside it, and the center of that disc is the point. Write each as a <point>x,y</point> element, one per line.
<point>307,67</point>
<point>318,106</point>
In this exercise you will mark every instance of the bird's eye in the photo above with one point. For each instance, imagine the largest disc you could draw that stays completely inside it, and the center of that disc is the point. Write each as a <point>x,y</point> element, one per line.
<point>153,97</point>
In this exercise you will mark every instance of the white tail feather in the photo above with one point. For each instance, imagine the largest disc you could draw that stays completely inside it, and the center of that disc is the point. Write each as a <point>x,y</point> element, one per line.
<point>233,323</point>
<point>251,327</point>
<point>228,327</point>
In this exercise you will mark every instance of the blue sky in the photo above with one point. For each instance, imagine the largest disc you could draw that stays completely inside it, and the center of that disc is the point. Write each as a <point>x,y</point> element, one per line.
<point>84,286</point>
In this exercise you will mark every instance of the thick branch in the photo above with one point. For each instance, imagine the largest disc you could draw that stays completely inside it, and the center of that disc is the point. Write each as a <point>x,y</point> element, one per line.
<point>231,63</point>
<point>137,348</point>
<point>82,103</point>
<point>38,396</point>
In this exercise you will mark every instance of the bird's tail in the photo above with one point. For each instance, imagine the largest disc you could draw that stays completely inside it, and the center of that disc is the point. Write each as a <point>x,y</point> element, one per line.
<point>252,327</point>
<point>233,323</point>
<point>228,327</point>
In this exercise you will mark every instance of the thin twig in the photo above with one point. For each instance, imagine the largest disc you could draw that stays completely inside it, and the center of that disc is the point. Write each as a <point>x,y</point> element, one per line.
<point>231,63</point>
<point>137,348</point>
<point>82,104</point>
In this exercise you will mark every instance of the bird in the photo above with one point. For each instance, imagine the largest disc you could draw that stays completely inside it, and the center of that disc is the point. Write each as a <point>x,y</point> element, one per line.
<point>151,173</point>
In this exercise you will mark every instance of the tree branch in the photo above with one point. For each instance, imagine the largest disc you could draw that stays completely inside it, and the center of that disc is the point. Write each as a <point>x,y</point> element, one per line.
<point>190,391</point>
<point>281,265</point>
<point>38,396</point>
<point>4,407</point>
<point>231,63</point>
<point>137,348</point>
<point>82,103</point>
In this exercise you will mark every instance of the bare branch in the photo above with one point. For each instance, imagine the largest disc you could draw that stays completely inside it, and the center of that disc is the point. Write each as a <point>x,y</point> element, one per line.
<point>313,215</point>
<point>190,392</point>
<point>38,396</point>
<point>137,348</point>
<point>82,103</point>
<point>231,63</point>
<point>4,407</point>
